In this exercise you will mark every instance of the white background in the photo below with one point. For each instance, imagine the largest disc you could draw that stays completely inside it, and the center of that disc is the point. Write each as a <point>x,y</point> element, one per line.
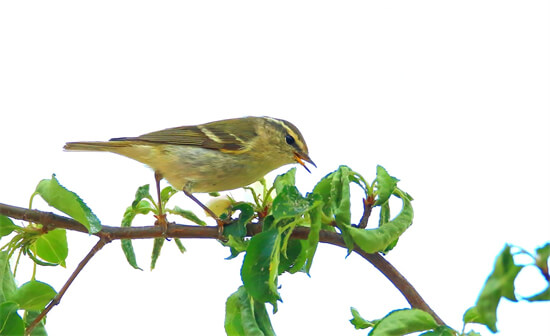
<point>451,97</point>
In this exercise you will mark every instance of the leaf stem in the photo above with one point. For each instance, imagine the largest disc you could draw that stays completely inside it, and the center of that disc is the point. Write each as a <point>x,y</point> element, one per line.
<point>33,276</point>
<point>254,196</point>
<point>17,262</point>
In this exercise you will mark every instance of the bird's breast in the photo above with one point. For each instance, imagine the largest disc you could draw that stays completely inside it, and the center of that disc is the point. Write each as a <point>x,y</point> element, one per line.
<point>197,169</point>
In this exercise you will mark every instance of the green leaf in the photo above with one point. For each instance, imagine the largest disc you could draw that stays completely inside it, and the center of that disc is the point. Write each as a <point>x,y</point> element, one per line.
<point>356,178</point>
<point>390,246</point>
<point>385,214</point>
<point>128,250</point>
<point>7,281</point>
<point>402,322</point>
<point>33,295</point>
<point>386,185</point>
<point>236,246</point>
<point>180,246</point>
<point>262,319</point>
<point>236,231</point>
<point>157,246</point>
<point>6,226</point>
<point>286,179</point>
<point>348,239</point>
<point>68,202</point>
<point>244,316</point>
<point>313,237</point>
<point>542,296</point>
<point>189,215</point>
<point>286,226</point>
<point>141,193</point>
<point>7,309</point>
<point>359,322</point>
<point>298,265</point>
<point>53,247</point>
<point>269,223</point>
<point>11,323</point>
<point>260,267</point>
<point>39,330</point>
<point>471,316</point>
<point>340,196</point>
<point>233,323</point>
<point>499,284</point>
<point>335,191</point>
<point>289,203</point>
<point>472,333</point>
<point>322,188</point>
<point>295,257</point>
<point>167,193</point>
<point>375,240</point>
<point>247,213</point>
<point>28,251</point>
<point>141,205</point>
<point>441,331</point>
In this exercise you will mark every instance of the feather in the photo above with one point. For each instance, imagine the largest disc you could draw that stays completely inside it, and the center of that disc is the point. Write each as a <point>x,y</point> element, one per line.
<point>234,135</point>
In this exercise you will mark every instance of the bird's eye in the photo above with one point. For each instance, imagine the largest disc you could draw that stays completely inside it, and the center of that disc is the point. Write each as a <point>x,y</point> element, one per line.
<point>289,139</point>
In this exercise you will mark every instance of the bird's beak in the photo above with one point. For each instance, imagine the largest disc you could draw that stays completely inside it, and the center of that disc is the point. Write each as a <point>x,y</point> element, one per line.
<point>301,157</point>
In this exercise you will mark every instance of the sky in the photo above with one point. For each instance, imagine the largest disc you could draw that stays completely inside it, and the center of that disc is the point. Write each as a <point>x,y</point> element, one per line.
<point>452,98</point>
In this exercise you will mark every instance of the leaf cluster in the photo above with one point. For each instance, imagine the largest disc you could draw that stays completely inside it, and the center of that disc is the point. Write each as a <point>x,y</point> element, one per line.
<point>499,284</point>
<point>327,207</point>
<point>144,204</point>
<point>262,230</point>
<point>44,247</point>
<point>31,297</point>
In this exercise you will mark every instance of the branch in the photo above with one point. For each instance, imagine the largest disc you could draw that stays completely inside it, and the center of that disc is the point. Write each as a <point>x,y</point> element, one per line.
<point>368,203</point>
<point>55,301</point>
<point>390,272</point>
<point>51,221</point>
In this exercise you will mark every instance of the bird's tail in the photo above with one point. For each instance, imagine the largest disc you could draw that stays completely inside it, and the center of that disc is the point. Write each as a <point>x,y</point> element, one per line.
<point>95,146</point>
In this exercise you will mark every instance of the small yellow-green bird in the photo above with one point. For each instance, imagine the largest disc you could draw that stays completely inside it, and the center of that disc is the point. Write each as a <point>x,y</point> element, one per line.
<point>216,156</point>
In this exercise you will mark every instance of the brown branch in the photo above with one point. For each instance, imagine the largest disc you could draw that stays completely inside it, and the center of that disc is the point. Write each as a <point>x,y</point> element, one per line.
<point>55,301</point>
<point>390,272</point>
<point>368,204</point>
<point>51,221</point>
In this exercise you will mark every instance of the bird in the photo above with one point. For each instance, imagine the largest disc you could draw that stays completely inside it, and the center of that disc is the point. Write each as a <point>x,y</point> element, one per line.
<point>211,157</point>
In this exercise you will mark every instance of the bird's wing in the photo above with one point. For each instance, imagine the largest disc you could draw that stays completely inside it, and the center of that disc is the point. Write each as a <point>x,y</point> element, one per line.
<point>226,135</point>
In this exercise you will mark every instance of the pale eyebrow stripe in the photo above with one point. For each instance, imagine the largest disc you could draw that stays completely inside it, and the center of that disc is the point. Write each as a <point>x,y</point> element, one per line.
<point>277,121</point>
<point>288,129</point>
<point>209,134</point>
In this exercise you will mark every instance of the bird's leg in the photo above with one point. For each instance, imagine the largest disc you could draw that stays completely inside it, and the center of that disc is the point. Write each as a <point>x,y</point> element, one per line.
<point>220,222</point>
<point>161,218</point>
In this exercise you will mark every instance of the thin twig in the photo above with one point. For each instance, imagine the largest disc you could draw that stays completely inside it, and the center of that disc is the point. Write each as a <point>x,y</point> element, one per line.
<point>210,232</point>
<point>368,203</point>
<point>55,301</point>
